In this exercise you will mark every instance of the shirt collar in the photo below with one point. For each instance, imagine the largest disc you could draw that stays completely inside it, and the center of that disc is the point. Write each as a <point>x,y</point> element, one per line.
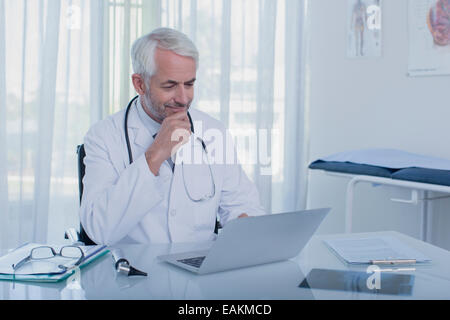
<point>151,125</point>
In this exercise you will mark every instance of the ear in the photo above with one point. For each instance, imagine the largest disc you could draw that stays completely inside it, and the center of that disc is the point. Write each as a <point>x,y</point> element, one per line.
<point>138,83</point>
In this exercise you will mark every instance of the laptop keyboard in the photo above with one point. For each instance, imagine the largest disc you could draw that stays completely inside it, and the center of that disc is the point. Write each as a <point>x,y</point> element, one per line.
<point>194,262</point>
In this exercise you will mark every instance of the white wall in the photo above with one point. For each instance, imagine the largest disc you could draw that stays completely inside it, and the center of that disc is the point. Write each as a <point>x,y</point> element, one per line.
<point>372,103</point>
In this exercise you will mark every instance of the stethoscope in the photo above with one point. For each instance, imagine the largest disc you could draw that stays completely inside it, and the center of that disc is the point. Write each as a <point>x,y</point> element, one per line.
<point>130,156</point>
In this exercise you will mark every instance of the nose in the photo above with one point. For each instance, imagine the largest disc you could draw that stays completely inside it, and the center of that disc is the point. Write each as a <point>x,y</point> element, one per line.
<point>182,96</point>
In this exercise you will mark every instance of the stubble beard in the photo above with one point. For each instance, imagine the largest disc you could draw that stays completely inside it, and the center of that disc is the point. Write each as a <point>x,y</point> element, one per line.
<point>156,113</point>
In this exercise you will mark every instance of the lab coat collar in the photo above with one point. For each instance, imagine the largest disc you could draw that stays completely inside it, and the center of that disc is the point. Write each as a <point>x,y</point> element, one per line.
<point>142,136</point>
<point>133,118</point>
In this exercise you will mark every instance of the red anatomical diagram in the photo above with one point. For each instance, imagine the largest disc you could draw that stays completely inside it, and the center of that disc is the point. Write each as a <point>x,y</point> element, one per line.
<point>439,22</point>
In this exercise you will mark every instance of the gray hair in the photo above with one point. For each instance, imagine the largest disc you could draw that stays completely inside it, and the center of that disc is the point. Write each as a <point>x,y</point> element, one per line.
<point>143,50</point>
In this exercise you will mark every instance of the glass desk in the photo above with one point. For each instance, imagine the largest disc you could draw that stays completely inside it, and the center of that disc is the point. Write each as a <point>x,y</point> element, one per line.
<point>272,281</point>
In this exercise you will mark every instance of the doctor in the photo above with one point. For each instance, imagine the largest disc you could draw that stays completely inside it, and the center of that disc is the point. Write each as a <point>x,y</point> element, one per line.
<point>136,188</point>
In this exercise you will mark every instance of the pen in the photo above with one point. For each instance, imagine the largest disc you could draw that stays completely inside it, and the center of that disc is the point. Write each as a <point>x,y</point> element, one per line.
<point>396,261</point>
<point>398,270</point>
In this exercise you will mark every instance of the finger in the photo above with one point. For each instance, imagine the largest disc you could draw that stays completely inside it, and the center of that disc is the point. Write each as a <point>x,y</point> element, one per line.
<point>180,124</point>
<point>179,116</point>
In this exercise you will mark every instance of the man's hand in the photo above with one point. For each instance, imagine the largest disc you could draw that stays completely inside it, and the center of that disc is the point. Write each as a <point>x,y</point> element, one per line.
<point>174,132</point>
<point>244,215</point>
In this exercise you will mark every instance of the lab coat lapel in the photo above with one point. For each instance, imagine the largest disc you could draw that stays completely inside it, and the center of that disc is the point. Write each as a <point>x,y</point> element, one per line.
<point>179,216</point>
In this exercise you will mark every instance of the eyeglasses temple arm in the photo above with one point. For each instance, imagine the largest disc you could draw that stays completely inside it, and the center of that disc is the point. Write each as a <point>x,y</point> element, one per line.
<point>21,263</point>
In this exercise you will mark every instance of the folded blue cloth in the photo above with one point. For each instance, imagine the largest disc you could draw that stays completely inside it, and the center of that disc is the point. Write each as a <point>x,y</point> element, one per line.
<point>433,176</point>
<point>388,163</point>
<point>389,158</point>
<point>352,168</point>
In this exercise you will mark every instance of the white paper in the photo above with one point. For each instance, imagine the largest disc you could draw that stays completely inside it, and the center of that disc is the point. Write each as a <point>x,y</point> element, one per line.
<point>364,250</point>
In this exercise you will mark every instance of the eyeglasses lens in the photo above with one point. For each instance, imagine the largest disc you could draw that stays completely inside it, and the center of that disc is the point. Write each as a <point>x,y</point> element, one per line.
<point>42,253</point>
<point>71,252</point>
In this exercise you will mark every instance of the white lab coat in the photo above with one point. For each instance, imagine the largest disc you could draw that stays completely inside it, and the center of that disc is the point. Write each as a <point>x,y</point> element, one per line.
<point>128,204</point>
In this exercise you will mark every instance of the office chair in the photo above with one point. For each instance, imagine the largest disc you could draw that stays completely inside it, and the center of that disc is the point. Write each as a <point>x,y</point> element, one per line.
<point>82,236</point>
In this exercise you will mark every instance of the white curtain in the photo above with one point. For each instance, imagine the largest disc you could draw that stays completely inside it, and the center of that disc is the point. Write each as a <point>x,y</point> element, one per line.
<point>252,77</point>
<point>3,146</point>
<point>64,65</point>
<point>45,111</point>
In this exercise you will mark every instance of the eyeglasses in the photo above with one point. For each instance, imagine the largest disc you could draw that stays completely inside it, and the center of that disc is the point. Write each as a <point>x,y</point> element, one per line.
<point>45,252</point>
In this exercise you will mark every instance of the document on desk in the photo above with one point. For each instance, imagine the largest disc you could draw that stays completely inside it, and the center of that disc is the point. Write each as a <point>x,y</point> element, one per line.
<point>369,250</point>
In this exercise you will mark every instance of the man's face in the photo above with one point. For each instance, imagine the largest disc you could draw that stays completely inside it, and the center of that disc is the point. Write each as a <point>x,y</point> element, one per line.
<point>171,87</point>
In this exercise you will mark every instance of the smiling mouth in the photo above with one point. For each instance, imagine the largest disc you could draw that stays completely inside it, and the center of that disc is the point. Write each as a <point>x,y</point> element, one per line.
<point>177,109</point>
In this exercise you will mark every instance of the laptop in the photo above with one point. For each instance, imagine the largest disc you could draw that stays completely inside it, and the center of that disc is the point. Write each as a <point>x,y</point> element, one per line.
<point>253,241</point>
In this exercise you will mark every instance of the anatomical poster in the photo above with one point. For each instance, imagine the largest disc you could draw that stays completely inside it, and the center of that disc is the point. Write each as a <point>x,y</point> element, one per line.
<point>364,28</point>
<point>429,37</point>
